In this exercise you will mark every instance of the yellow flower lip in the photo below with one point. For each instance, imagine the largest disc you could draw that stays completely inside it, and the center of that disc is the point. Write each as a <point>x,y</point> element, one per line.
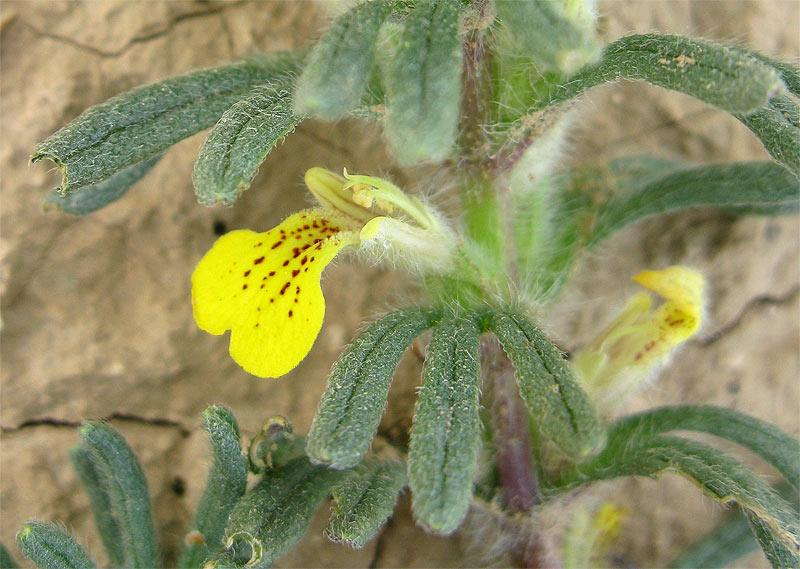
<point>264,288</point>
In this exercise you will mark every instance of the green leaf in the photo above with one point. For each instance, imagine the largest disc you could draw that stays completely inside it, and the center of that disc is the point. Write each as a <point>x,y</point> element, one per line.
<point>275,513</point>
<point>107,526</point>
<point>93,197</point>
<point>365,500</point>
<point>424,91</point>
<point>728,542</point>
<point>777,552</point>
<point>355,398</point>
<point>561,409</point>
<point>141,123</point>
<point>719,476</point>
<point>6,561</point>
<point>597,203</point>
<point>778,126</point>
<point>740,184</point>
<point>541,31</point>
<point>50,548</point>
<point>226,484</point>
<point>239,143</point>
<point>445,435</point>
<point>721,76</point>
<point>123,481</point>
<point>339,66</point>
<point>773,445</point>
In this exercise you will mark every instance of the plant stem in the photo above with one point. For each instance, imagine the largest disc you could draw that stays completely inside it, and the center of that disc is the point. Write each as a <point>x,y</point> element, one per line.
<point>519,483</point>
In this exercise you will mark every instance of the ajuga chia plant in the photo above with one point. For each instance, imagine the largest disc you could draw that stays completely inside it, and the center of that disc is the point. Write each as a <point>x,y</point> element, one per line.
<point>503,421</point>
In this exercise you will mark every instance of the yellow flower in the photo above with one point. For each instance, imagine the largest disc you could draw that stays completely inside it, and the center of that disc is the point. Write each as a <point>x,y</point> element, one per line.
<point>639,339</point>
<point>265,287</point>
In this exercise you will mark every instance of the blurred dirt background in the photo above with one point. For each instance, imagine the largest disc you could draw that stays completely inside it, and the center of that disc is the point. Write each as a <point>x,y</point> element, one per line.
<point>96,313</point>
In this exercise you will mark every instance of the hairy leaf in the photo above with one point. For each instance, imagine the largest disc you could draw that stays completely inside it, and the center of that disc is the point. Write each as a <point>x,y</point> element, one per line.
<point>226,484</point>
<point>134,126</point>
<point>275,513</point>
<point>778,553</point>
<point>339,66</point>
<point>595,204</point>
<point>773,445</point>
<point>725,77</point>
<point>355,398</point>
<point>719,476</point>
<point>365,500</point>
<point>123,481</point>
<point>777,124</point>
<point>424,90</point>
<point>93,197</point>
<point>559,406</point>
<point>106,523</point>
<point>239,143</point>
<point>50,548</point>
<point>445,435</point>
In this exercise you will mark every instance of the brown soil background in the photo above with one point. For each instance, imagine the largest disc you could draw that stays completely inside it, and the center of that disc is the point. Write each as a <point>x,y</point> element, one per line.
<point>96,312</point>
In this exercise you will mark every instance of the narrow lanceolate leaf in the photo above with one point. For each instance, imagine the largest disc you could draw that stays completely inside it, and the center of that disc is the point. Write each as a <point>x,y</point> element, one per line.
<point>275,513</point>
<point>642,186</point>
<point>778,553</point>
<point>50,548</point>
<point>365,500</point>
<point>773,445</point>
<point>141,123</point>
<point>226,484</point>
<point>728,542</point>
<point>88,199</point>
<point>725,77</point>
<point>238,144</point>
<point>778,126</point>
<point>106,523</point>
<point>445,436</point>
<point>339,66</point>
<point>559,406</point>
<point>719,476</point>
<point>122,479</point>
<point>355,398</point>
<point>424,92</point>
<point>741,185</point>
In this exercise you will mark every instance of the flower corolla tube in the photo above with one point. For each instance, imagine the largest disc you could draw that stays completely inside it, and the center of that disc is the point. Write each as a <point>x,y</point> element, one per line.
<point>265,287</point>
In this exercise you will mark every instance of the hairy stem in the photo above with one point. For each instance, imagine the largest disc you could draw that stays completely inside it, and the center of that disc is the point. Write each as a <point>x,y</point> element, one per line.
<point>514,458</point>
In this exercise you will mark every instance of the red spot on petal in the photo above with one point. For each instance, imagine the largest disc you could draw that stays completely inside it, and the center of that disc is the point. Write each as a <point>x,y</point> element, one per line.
<point>296,252</point>
<point>306,246</point>
<point>290,313</point>
<point>313,259</point>
<point>305,270</point>
<point>286,262</point>
<point>247,273</point>
<point>295,272</point>
<point>259,244</point>
<point>306,226</point>
<point>304,259</point>
<point>259,260</point>
<point>244,287</point>
<point>315,225</point>
<point>262,285</point>
<point>297,290</point>
<point>256,325</point>
<point>296,301</point>
<point>277,244</point>
<point>271,300</point>
<point>638,356</point>
<point>272,273</point>
<point>284,287</point>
